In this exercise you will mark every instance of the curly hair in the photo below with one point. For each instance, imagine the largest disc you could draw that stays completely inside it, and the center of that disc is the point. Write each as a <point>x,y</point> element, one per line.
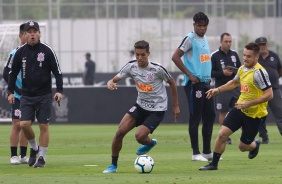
<point>201,18</point>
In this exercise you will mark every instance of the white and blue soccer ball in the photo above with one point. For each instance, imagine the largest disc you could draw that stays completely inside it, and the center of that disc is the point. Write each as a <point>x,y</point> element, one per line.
<point>144,164</point>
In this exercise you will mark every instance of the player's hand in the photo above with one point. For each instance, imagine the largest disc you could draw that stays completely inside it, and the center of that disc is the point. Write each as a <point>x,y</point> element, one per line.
<point>242,105</point>
<point>176,112</point>
<point>58,97</point>
<point>111,85</point>
<point>228,72</point>
<point>212,92</point>
<point>11,99</point>
<point>194,79</point>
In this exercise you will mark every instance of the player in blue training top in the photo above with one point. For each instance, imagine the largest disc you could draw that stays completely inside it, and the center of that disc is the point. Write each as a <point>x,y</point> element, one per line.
<point>151,103</point>
<point>197,67</point>
<point>16,135</point>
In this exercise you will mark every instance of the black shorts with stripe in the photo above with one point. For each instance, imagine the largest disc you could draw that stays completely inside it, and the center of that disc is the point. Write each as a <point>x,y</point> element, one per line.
<point>150,119</point>
<point>236,119</point>
<point>36,106</point>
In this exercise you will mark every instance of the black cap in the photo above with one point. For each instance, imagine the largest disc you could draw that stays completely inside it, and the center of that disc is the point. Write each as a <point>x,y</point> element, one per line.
<point>31,24</point>
<point>261,40</point>
<point>87,54</point>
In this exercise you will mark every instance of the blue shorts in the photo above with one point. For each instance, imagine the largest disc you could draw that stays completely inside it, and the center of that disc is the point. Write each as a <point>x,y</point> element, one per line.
<point>236,119</point>
<point>150,119</point>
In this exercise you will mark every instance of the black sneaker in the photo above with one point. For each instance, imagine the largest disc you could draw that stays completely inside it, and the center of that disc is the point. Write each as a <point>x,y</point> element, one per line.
<point>40,162</point>
<point>265,140</point>
<point>228,140</point>
<point>32,158</point>
<point>254,152</point>
<point>208,167</point>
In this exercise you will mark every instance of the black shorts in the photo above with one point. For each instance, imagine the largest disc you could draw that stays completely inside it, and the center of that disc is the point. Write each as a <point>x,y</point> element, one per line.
<point>227,100</point>
<point>36,106</point>
<point>150,119</point>
<point>236,119</point>
<point>15,109</point>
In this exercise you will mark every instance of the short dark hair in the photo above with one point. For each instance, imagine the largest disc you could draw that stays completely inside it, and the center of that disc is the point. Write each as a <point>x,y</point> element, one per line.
<point>254,47</point>
<point>224,34</point>
<point>142,44</point>
<point>201,18</point>
<point>22,30</point>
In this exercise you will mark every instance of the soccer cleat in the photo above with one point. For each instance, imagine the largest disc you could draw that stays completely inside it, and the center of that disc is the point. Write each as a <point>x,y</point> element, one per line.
<point>265,140</point>
<point>254,152</point>
<point>228,140</point>
<point>145,148</point>
<point>15,160</point>
<point>208,167</point>
<point>32,158</point>
<point>40,162</point>
<point>209,156</point>
<point>199,157</point>
<point>111,169</point>
<point>23,160</point>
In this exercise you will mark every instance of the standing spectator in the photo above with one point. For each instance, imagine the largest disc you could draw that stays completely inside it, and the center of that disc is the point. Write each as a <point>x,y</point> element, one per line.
<point>151,103</point>
<point>90,67</point>
<point>197,67</point>
<point>250,110</point>
<point>36,60</point>
<point>272,64</point>
<point>221,59</point>
<point>16,135</point>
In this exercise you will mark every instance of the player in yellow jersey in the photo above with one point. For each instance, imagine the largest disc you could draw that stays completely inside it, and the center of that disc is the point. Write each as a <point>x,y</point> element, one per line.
<point>251,108</point>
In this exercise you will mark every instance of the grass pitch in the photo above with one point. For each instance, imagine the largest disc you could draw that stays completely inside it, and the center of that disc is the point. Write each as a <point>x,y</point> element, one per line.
<point>79,153</point>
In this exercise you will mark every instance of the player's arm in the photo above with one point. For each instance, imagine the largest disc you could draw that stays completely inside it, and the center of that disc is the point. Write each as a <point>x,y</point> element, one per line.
<point>267,95</point>
<point>176,58</point>
<point>173,90</point>
<point>112,84</point>
<point>226,87</point>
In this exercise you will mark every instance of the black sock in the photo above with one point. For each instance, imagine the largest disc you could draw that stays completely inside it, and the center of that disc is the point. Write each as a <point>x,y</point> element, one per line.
<point>14,151</point>
<point>114,160</point>
<point>23,151</point>
<point>215,159</point>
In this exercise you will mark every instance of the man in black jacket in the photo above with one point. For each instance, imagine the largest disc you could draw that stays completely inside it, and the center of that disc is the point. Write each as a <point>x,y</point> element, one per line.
<point>272,64</point>
<point>223,60</point>
<point>36,60</point>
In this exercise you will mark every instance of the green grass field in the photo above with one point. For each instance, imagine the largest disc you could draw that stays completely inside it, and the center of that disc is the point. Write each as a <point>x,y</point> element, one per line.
<point>74,146</point>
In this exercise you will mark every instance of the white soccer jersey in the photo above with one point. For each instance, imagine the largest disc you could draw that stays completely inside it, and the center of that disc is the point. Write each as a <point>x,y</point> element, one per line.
<point>152,94</point>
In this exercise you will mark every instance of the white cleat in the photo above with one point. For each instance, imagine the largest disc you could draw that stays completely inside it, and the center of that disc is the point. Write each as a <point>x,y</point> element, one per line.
<point>199,157</point>
<point>15,160</point>
<point>23,160</point>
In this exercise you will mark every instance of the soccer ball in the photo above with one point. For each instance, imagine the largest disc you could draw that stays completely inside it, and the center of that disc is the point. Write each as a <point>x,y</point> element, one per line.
<point>144,164</point>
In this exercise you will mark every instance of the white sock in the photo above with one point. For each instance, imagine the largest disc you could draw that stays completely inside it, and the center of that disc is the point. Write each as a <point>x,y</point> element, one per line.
<point>33,144</point>
<point>43,151</point>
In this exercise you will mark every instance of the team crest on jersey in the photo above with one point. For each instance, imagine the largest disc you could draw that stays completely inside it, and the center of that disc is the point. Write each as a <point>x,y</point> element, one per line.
<point>272,59</point>
<point>18,113</point>
<point>199,94</point>
<point>218,106</point>
<point>233,58</point>
<point>40,57</point>
<point>150,77</point>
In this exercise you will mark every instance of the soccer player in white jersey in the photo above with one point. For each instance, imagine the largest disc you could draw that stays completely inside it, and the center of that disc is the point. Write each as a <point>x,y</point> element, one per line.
<point>151,103</point>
